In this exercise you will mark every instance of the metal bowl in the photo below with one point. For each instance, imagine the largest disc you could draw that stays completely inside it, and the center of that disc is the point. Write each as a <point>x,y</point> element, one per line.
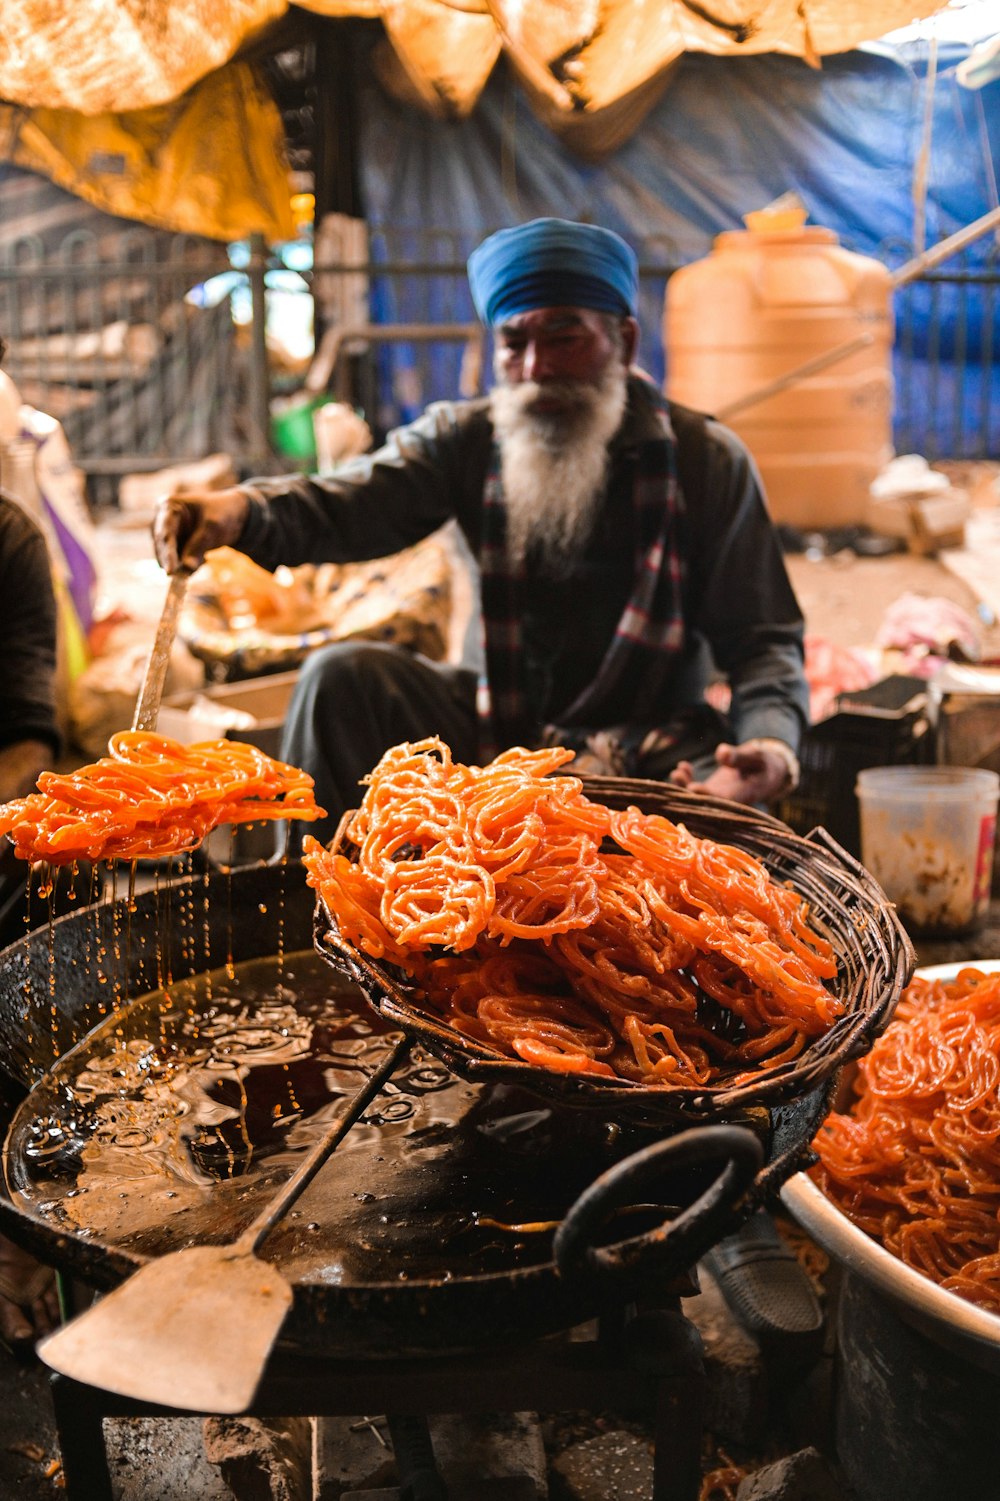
<point>951,1321</point>
<point>406,1244</point>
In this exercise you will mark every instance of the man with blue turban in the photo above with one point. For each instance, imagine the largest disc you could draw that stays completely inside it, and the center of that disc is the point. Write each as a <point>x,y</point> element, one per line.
<point>625,554</point>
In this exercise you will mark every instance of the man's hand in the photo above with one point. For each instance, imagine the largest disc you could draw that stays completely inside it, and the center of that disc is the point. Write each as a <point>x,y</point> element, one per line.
<point>756,772</point>
<point>189,523</point>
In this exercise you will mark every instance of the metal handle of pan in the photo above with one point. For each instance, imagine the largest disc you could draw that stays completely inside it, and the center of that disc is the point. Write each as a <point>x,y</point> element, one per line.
<point>680,1241</point>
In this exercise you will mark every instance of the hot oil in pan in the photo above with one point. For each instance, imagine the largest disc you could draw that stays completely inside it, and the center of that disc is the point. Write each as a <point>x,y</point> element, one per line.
<point>173,1123</point>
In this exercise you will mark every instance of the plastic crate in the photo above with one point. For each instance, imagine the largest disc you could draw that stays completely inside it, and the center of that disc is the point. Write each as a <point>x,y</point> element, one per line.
<point>884,725</point>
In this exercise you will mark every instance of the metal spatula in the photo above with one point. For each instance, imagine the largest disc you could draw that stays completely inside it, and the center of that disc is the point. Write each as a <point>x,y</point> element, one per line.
<point>148,703</point>
<point>194,1329</point>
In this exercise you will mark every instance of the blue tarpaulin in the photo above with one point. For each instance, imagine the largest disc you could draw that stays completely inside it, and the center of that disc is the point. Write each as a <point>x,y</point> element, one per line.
<point>727,136</point>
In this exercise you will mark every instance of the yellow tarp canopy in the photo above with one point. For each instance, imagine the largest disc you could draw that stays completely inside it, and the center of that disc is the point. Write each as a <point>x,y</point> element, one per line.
<point>210,163</point>
<point>135,105</point>
<point>95,56</point>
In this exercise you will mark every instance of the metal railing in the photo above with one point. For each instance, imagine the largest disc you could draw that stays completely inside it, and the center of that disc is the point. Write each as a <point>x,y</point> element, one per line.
<point>103,334</point>
<point>115,337</point>
<point>945,361</point>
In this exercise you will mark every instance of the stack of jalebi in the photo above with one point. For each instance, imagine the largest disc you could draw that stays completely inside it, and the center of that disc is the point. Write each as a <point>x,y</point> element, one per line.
<point>916,1161</point>
<point>559,931</point>
<point>152,797</point>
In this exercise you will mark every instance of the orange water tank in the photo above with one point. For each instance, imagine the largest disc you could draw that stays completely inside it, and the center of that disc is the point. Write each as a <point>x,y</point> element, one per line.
<point>765,302</point>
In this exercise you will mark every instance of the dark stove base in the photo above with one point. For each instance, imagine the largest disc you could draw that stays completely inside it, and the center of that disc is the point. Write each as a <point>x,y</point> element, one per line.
<point>651,1359</point>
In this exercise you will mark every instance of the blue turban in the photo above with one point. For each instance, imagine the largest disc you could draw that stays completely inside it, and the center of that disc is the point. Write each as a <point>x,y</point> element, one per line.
<point>553,263</point>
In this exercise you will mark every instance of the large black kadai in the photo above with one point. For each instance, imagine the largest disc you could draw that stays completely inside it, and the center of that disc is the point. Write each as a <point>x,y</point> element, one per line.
<point>431,1228</point>
<point>168,1058</point>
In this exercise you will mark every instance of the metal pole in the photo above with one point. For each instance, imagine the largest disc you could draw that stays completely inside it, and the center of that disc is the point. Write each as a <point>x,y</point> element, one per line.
<point>945,248</point>
<point>793,377</point>
<point>260,382</point>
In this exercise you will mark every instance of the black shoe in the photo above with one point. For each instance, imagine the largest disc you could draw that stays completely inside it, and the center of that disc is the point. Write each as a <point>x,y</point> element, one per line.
<point>767,1289</point>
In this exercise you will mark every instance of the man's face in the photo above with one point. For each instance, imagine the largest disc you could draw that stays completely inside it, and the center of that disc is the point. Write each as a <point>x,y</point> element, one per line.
<point>559,399</point>
<point>556,348</point>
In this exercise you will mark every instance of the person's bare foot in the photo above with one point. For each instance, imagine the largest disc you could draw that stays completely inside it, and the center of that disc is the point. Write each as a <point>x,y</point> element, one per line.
<point>29,1306</point>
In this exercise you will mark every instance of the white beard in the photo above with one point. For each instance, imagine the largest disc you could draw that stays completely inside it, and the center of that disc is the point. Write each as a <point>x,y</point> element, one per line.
<point>553,465</point>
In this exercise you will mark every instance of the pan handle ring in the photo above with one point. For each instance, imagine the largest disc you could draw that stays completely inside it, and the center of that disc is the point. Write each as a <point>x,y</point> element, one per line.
<point>679,1242</point>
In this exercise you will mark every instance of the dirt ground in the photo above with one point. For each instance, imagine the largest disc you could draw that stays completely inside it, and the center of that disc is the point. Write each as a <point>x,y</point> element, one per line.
<point>844,597</point>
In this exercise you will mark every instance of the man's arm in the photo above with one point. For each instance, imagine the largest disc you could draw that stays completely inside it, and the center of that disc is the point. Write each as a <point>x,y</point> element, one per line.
<point>373,506</point>
<point>747,611</point>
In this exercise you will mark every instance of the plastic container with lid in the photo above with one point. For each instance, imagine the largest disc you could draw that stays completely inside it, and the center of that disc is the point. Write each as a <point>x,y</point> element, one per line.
<point>767,300</point>
<point>927,836</point>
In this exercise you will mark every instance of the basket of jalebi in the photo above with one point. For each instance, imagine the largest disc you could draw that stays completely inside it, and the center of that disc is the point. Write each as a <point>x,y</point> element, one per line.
<point>610,940</point>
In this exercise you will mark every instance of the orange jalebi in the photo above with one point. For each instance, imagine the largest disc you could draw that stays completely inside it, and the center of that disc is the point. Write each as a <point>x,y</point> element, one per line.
<point>558,931</point>
<point>916,1161</point>
<point>152,797</point>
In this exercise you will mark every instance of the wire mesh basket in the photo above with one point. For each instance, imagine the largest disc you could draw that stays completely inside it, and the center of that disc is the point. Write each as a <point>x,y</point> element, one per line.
<point>874,962</point>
